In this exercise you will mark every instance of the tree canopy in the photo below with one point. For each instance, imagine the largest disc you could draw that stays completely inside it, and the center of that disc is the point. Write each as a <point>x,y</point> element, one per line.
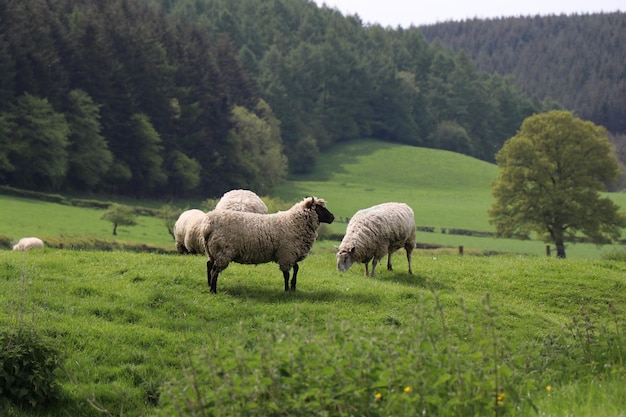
<point>550,176</point>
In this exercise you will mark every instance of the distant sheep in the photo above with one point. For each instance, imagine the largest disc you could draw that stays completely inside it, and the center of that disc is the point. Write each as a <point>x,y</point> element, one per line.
<point>186,233</point>
<point>375,232</point>
<point>242,200</point>
<point>285,237</point>
<point>28,243</point>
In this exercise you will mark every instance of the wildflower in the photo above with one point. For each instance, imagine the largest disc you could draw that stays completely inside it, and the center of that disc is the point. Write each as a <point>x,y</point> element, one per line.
<point>378,395</point>
<point>548,388</point>
<point>407,389</point>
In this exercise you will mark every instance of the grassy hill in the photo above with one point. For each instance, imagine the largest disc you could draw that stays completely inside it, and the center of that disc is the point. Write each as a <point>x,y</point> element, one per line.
<point>139,334</point>
<point>446,190</point>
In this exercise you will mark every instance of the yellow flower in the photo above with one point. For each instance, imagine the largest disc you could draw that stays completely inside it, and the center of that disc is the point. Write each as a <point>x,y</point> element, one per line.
<point>378,395</point>
<point>407,389</point>
<point>548,388</point>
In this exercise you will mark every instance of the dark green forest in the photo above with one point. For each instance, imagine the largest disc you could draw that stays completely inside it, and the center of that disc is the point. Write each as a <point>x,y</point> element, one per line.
<point>577,59</point>
<point>163,98</point>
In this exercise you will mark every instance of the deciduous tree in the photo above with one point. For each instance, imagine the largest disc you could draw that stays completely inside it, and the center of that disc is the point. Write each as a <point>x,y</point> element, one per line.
<point>550,176</point>
<point>119,215</point>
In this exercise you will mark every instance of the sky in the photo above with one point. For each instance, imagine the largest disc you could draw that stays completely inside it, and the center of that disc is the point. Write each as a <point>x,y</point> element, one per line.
<point>406,12</point>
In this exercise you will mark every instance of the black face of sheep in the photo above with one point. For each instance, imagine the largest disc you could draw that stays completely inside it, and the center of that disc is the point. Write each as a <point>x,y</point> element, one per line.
<point>323,214</point>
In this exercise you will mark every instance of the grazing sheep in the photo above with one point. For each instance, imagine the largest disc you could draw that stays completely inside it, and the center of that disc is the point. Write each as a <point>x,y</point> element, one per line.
<point>28,243</point>
<point>374,232</point>
<point>285,237</point>
<point>185,232</point>
<point>241,200</point>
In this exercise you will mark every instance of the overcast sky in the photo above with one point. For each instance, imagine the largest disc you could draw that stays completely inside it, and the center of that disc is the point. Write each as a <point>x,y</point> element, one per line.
<point>406,12</point>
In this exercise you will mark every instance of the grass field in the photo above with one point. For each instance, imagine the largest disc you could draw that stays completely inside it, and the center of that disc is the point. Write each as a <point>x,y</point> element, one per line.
<point>139,334</point>
<point>446,190</point>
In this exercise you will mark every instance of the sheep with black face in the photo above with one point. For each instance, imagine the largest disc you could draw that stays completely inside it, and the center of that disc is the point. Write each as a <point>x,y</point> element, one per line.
<point>285,237</point>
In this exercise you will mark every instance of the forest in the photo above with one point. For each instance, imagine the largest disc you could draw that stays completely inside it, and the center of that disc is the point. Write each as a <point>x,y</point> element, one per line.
<point>576,59</point>
<point>164,98</point>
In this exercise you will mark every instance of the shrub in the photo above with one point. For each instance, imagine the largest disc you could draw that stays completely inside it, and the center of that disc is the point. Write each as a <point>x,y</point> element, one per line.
<point>5,242</point>
<point>29,363</point>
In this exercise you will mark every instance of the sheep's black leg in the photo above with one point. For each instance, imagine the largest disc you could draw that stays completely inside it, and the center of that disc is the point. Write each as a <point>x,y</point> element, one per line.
<point>212,274</point>
<point>389,267</point>
<point>293,278</point>
<point>286,276</point>
<point>209,266</point>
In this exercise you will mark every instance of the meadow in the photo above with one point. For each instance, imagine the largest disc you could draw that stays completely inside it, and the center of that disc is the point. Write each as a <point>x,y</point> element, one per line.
<point>138,334</point>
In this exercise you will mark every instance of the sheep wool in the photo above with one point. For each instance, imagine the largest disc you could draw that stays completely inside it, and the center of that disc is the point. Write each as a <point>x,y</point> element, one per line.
<point>285,237</point>
<point>186,231</point>
<point>242,200</point>
<point>28,243</point>
<point>375,232</point>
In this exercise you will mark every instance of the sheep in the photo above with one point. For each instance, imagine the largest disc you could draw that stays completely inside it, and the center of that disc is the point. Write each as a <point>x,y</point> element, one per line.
<point>242,200</point>
<point>28,243</point>
<point>374,232</point>
<point>186,232</point>
<point>285,237</point>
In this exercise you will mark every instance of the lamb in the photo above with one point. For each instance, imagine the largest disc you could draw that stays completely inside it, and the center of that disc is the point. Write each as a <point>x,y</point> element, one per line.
<point>28,243</point>
<point>285,237</point>
<point>242,200</point>
<point>374,232</point>
<point>186,233</point>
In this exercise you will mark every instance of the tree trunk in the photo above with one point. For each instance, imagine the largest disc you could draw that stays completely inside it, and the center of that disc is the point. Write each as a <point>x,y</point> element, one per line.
<point>114,229</point>
<point>560,248</point>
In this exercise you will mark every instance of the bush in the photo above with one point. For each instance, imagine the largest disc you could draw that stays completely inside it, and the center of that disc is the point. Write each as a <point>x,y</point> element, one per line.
<point>5,242</point>
<point>29,363</point>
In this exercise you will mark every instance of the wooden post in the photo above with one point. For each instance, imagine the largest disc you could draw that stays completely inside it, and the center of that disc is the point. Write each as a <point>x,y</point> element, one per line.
<point>548,251</point>
<point>461,250</point>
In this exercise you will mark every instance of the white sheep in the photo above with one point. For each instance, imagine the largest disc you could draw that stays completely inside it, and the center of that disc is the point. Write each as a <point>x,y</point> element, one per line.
<point>28,243</point>
<point>242,200</point>
<point>374,232</point>
<point>285,237</point>
<point>187,229</point>
<point>186,233</point>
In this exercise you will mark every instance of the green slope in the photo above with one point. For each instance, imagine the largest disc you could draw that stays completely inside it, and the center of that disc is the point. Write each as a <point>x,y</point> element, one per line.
<point>444,189</point>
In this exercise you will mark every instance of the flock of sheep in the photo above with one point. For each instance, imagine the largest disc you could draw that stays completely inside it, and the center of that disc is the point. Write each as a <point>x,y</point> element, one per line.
<point>241,230</point>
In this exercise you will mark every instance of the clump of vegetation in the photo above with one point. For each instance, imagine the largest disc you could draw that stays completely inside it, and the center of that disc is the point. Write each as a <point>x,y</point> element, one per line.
<point>29,364</point>
<point>422,366</point>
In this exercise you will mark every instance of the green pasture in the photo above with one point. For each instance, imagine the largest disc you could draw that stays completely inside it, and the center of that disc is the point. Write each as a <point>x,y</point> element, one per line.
<point>140,335</point>
<point>446,190</point>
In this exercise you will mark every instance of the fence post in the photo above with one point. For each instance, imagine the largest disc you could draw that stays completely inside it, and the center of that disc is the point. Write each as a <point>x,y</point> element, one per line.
<point>461,250</point>
<point>548,251</point>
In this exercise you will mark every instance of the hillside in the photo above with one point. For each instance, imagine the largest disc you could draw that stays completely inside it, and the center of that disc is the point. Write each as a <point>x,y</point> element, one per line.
<point>577,60</point>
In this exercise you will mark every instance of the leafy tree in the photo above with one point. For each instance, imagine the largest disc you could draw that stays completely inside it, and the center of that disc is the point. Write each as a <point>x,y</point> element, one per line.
<point>40,144</point>
<point>145,154</point>
<point>257,160</point>
<point>549,178</point>
<point>89,154</point>
<point>6,127</point>
<point>119,215</point>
